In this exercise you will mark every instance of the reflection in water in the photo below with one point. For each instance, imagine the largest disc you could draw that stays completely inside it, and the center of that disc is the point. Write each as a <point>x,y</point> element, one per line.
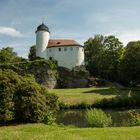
<point>77,117</point>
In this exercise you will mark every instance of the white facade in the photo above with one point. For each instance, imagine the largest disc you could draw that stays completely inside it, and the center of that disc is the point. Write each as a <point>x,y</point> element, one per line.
<point>68,55</point>
<point>42,39</point>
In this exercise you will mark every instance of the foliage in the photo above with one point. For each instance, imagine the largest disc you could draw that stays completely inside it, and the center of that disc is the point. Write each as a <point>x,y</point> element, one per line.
<point>32,53</point>
<point>98,118</point>
<point>130,65</point>
<point>30,101</point>
<point>49,118</point>
<point>93,53</point>
<point>135,119</point>
<point>22,99</point>
<point>8,83</point>
<point>7,55</point>
<point>118,101</point>
<point>102,56</point>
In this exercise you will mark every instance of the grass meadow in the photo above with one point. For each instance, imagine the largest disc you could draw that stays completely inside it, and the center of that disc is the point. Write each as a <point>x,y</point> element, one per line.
<point>89,95</point>
<point>44,132</point>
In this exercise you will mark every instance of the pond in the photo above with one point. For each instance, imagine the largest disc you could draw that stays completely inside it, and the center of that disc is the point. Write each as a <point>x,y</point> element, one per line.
<point>120,117</point>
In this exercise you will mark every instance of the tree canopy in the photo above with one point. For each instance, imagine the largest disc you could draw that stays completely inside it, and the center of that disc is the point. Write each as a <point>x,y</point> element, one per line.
<point>7,55</point>
<point>130,64</point>
<point>32,53</point>
<point>102,55</point>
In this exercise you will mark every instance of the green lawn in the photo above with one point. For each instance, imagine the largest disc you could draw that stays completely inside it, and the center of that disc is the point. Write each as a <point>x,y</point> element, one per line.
<point>44,132</point>
<point>87,95</point>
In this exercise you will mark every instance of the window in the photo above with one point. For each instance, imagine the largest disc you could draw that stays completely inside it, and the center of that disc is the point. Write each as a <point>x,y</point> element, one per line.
<point>59,49</point>
<point>65,49</point>
<point>50,58</point>
<point>50,50</point>
<point>71,48</point>
<point>58,42</point>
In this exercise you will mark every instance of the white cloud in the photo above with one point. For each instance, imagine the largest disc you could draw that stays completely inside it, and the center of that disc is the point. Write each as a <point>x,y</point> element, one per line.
<point>130,36</point>
<point>126,35</point>
<point>10,32</point>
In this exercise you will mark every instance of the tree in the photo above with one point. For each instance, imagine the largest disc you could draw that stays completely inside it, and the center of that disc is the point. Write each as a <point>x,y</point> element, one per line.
<point>130,64</point>
<point>93,51</point>
<point>102,56</point>
<point>111,57</point>
<point>32,53</point>
<point>7,55</point>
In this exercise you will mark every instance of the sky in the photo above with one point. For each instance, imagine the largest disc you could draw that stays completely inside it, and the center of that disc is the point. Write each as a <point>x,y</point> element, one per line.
<point>67,19</point>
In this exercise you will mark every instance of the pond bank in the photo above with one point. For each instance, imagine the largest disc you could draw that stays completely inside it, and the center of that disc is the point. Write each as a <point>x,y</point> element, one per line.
<point>120,117</point>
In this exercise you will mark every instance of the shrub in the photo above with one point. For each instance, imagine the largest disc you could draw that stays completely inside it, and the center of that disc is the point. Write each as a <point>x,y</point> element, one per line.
<point>8,83</point>
<point>98,118</point>
<point>22,99</point>
<point>49,118</point>
<point>135,119</point>
<point>30,101</point>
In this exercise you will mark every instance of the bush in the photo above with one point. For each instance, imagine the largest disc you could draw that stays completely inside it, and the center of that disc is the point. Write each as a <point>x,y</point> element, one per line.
<point>135,119</point>
<point>30,101</point>
<point>22,99</point>
<point>49,118</point>
<point>8,83</point>
<point>98,118</point>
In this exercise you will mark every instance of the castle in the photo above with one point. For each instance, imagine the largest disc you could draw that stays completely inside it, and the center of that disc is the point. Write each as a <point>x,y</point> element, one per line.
<point>68,53</point>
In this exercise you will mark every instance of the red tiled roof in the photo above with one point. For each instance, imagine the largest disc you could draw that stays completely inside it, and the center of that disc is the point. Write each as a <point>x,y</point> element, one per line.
<point>61,43</point>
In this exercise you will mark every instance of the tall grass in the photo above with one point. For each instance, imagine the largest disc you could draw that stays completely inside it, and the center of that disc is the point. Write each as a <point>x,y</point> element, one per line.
<point>98,118</point>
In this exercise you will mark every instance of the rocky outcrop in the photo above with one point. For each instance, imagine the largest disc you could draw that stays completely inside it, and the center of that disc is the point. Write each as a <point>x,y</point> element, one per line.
<point>44,73</point>
<point>48,74</point>
<point>75,78</point>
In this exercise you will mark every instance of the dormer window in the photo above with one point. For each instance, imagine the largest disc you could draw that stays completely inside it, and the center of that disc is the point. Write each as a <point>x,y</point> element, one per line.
<point>58,43</point>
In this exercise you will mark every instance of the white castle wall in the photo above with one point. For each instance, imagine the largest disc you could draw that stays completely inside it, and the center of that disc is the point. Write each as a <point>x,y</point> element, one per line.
<point>69,56</point>
<point>42,39</point>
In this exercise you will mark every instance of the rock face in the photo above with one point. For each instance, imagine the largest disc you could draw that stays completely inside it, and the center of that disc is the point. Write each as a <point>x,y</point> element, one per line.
<point>76,78</point>
<point>44,73</point>
<point>48,74</point>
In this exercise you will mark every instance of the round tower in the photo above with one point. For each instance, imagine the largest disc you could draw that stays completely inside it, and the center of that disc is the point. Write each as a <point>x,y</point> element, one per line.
<point>42,39</point>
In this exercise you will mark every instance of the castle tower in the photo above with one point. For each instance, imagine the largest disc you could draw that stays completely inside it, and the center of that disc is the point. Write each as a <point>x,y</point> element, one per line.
<point>42,39</point>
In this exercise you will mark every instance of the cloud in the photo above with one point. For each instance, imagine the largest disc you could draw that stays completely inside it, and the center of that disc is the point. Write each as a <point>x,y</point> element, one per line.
<point>126,35</point>
<point>10,32</point>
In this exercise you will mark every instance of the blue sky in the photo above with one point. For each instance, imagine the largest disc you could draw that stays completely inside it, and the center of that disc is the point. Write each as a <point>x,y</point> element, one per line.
<point>67,19</point>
